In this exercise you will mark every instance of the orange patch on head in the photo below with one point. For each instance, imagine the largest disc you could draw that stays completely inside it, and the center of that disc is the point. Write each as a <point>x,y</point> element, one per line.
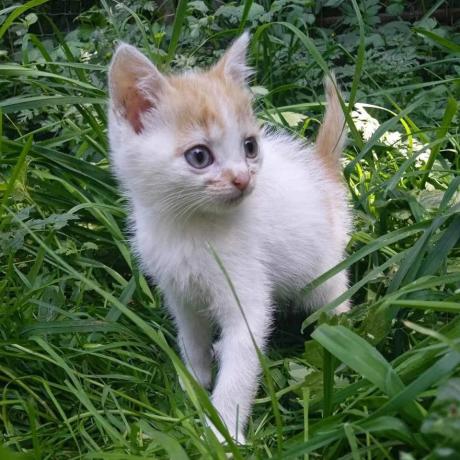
<point>203,100</point>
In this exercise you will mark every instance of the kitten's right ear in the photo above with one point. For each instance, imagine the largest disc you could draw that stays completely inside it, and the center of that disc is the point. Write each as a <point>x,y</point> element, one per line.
<point>134,83</point>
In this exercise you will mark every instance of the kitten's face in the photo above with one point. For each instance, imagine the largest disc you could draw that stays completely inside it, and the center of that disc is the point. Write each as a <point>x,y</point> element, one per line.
<point>187,143</point>
<point>213,147</point>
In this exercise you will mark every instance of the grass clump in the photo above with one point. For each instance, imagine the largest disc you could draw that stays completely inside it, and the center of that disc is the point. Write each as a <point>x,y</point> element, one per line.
<point>88,367</point>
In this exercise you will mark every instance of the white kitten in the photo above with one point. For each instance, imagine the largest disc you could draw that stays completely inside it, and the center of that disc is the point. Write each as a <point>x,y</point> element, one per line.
<point>199,172</point>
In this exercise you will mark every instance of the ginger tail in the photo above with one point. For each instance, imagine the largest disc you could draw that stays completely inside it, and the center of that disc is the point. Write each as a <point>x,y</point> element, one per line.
<point>332,134</point>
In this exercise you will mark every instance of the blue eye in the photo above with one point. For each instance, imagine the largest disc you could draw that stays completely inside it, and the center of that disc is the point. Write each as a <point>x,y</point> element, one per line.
<point>251,149</point>
<point>199,157</point>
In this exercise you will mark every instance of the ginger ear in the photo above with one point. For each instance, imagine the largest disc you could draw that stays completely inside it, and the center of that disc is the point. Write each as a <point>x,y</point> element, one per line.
<point>135,85</point>
<point>233,63</point>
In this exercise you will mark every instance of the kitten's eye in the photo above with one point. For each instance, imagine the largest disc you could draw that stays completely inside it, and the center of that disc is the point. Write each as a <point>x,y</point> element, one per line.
<point>251,148</point>
<point>199,157</point>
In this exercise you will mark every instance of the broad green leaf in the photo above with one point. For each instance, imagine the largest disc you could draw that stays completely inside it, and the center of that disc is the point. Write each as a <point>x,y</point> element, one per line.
<point>362,357</point>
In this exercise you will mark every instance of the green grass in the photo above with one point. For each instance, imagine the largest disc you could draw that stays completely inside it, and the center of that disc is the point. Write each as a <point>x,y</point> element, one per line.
<point>88,360</point>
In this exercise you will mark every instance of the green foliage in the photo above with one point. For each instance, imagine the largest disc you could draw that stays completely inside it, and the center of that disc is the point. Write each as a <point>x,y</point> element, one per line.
<point>88,367</point>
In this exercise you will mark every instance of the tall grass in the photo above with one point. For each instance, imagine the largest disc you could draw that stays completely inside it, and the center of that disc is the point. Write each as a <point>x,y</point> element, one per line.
<point>88,361</point>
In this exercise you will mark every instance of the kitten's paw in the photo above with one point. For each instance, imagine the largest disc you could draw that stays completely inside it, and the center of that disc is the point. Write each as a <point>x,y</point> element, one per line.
<point>238,436</point>
<point>343,308</point>
<point>202,376</point>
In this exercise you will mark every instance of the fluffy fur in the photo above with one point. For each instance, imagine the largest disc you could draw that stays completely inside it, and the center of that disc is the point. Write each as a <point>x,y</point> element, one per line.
<point>285,226</point>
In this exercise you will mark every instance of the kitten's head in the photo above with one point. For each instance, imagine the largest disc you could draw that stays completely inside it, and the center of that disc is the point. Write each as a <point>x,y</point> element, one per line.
<point>184,143</point>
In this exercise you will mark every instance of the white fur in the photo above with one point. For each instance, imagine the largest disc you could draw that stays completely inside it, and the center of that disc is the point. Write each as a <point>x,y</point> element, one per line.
<point>288,231</point>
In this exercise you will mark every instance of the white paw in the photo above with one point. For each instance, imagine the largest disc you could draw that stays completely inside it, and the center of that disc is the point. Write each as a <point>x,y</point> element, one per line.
<point>237,436</point>
<point>343,308</point>
<point>202,375</point>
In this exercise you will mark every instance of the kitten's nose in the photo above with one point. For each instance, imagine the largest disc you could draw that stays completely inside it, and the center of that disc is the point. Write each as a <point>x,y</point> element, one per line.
<point>241,180</point>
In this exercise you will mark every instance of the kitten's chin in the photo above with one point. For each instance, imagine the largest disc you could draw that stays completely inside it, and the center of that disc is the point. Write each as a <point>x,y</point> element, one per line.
<point>233,200</point>
<point>229,202</point>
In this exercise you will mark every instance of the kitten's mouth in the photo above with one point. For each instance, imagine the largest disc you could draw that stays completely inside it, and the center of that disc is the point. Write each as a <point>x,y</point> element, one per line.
<point>231,198</point>
<point>234,200</point>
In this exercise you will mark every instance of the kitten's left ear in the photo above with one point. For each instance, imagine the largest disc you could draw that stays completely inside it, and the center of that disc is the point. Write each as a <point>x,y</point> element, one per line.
<point>233,63</point>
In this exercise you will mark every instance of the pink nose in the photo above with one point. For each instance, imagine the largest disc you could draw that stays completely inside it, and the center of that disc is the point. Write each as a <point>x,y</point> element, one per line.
<point>241,180</point>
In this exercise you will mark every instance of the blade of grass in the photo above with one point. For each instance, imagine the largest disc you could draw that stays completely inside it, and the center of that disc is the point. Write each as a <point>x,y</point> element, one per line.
<point>328,383</point>
<point>181,12</point>
<point>358,354</point>
<point>451,110</point>
<point>351,441</point>
<point>381,130</point>
<point>170,445</point>
<point>244,16</point>
<point>360,58</point>
<point>17,12</point>
<point>445,366</point>
<point>440,251</point>
<point>73,326</point>
<point>387,424</point>
<point>317,56</point>
<point>21,71</point>
<point>432,9</point>
<point>434,305</point>
<point>441,41</point>
<point>141,28</point>
<point>408,268</point>
<point>14,176</point>
<point>371,275</point>
<point>306,402</point>
<point>15,104</point>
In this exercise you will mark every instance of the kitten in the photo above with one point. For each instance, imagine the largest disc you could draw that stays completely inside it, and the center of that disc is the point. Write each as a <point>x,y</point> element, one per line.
<point>199,172</point>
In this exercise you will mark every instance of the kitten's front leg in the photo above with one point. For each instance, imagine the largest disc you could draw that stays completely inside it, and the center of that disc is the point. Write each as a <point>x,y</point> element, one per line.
<point>239,365</point>
<point>194,338</point>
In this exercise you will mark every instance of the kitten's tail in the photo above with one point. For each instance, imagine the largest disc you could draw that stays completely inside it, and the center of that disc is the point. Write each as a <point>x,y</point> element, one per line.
<point>332,134</point>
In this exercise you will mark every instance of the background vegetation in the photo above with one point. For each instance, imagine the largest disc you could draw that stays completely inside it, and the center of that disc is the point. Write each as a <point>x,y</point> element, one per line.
<point>88,367</point>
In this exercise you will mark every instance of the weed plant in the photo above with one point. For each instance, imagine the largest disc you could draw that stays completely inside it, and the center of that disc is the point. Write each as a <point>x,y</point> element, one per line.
<point>88,360</point>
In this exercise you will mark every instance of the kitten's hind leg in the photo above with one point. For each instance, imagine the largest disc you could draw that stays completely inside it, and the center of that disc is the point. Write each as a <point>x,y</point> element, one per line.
<point>195,340</point>
<point>327,292</point>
